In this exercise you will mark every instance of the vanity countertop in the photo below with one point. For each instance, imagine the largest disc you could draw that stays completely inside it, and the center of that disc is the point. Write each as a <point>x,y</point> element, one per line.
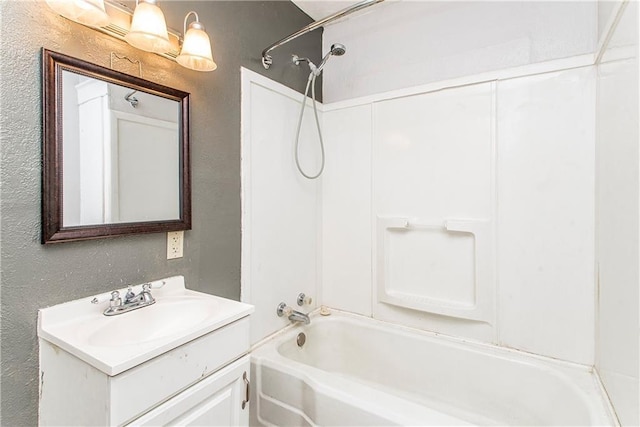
<point>114,344</point>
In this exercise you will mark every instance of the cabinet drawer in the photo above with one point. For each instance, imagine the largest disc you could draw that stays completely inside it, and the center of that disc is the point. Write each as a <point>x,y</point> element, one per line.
<point>139,389</point>
<point>214,401</point>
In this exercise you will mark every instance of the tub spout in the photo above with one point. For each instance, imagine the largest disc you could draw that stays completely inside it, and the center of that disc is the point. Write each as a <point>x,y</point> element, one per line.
<point>298,317</point>
<point>292,315</point>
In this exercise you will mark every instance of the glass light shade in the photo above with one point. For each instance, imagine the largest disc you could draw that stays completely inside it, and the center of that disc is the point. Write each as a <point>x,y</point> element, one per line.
<point>148,28</point>
<point>87,12</point>
<point>196,50</point>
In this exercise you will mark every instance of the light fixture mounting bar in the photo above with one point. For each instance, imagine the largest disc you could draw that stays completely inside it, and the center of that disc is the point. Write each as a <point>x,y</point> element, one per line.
<point>120,22</point>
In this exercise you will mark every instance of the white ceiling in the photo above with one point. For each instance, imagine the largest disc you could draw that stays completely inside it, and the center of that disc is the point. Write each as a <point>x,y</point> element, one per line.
<point>318,9</point>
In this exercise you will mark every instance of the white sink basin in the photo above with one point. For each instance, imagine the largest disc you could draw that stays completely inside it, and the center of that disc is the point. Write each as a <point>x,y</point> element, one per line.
<point>168,316</point>
<point>114,344</point>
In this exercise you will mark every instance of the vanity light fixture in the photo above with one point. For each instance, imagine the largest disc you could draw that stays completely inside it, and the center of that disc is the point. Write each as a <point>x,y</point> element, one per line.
<point>196,48</point>
<point>148,28</point>
<point>88,12</point>
<point>145,28</point>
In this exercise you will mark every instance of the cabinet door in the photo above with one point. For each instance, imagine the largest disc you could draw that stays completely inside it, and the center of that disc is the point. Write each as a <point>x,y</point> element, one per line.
<point>215,401</point>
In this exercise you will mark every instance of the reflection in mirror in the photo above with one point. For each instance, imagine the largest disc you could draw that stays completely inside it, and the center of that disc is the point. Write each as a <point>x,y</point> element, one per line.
<point>115,153</point>
<point>121,153</point>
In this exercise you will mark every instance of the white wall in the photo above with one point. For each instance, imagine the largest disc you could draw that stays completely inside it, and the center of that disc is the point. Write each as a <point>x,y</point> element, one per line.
<point>519,154</point>
<point>617,210</point>
<point>145,159</point>
<point>346,210</point>
<point>433,163</point>
<point>280,208</point>
<point>546,143</point>
<point>71,149</point>
<point>95,134</point>
<point>607,11</point>
<point>402,44</point>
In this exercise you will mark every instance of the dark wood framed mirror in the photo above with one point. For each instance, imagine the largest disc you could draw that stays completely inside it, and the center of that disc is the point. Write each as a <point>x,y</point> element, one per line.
<point>115,153</point>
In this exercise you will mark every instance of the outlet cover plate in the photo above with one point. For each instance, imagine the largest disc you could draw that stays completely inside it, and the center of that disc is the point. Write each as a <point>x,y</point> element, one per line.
<point>174,244</point>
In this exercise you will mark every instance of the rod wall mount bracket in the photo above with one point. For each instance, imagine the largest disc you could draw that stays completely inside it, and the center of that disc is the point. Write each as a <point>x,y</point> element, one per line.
<point>267,60</point>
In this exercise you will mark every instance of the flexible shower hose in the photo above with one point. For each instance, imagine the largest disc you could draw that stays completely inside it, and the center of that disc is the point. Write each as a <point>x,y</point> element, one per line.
<point>311,81</point>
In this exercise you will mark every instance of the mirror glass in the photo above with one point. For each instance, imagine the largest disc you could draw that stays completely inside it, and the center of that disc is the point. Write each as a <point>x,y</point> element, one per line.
<point>115,153</point>
<point>121,153</point>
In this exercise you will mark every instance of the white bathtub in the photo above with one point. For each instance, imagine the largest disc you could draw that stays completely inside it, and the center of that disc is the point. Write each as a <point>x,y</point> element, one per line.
<point>357,371</point>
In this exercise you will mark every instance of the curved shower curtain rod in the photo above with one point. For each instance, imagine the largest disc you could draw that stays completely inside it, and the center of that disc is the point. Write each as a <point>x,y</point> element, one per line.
<point>266,58</point>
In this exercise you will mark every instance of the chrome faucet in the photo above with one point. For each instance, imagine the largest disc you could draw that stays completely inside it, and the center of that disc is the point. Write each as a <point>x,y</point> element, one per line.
<point>292,315</point>
<point>131,301</point>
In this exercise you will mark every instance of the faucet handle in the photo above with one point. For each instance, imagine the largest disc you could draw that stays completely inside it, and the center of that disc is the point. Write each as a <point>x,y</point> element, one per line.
<point>283,310</point>
<point>303,299</point>
<point>130,294</point>
<point>146,287</point>
<point>115,299</point>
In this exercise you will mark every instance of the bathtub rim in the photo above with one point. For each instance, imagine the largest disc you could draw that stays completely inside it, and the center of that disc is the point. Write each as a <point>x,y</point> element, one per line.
<point>452,339</point>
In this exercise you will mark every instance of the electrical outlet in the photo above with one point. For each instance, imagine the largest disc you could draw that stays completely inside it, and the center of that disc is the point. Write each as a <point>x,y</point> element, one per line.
<point>174,244</point>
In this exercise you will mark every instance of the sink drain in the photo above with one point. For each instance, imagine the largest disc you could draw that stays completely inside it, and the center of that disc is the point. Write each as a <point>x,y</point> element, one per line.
<point>302,338</point>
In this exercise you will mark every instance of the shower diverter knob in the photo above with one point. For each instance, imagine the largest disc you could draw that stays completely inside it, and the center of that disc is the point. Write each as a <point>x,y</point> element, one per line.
<point>304,300</point>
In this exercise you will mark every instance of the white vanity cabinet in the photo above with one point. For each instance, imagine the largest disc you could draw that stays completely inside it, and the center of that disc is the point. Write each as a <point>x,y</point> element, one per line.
<point>91,378</point>
<point>198,383</point>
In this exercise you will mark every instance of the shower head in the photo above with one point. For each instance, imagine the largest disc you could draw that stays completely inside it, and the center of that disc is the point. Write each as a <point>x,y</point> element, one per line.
<point>337,49</point>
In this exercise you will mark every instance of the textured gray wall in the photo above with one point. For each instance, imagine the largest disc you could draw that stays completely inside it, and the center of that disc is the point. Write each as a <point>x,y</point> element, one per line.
<point>35,276</point>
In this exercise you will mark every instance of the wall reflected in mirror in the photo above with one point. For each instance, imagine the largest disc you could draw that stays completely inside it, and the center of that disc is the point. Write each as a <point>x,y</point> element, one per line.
<point>121,153</point>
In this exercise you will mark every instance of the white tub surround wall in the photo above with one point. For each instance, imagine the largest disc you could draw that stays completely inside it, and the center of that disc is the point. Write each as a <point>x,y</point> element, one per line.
<point>453,207</point>
<point>347,221</point>
<point>546,145</point>
<point>280,208</point>
<point>510,160</point>
<point>403,44</point>
<point>617,214</point>
<point>433,206</point>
